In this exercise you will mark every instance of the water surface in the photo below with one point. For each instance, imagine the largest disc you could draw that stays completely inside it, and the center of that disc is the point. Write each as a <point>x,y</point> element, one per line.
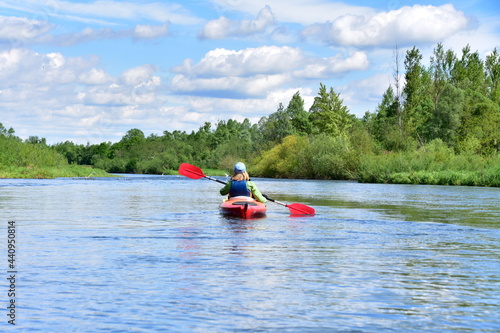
<point>151,253</point>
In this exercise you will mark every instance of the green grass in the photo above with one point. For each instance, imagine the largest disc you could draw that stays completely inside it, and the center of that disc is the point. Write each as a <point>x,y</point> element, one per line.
<point>48,172</point>
<point>457,178</point>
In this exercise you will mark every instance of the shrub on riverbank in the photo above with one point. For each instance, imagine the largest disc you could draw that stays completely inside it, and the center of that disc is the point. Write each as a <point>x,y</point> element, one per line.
<point>434,164</point>
<point>489,177</point>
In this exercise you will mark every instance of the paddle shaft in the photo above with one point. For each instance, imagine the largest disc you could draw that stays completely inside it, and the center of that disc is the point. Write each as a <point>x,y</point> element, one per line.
<point>216,180</point>
<point>275,201</point>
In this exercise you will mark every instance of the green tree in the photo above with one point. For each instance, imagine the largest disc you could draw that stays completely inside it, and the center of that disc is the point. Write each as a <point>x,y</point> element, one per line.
<point>479,128</point>
<point>384,125</point>
<point>468,72</point>
<point>6,132</point>
<point>277,126</point>
<point>69,150</point>
<point>492,68</point>
<point>235,141</point>
<point>417,104</point>
<point>328,113</point>
<point>440,71</point>
<point>298,115</point>
<point>132,137</point>
<point>445,121</point>
<point>385,114</point>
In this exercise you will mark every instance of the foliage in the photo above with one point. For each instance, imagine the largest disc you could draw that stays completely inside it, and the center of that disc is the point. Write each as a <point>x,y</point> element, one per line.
<point>320,156</point>
<point>331,158</point>
<point>293,119</point>
<point>445,121</point>
<point>23,154</point>
<point>328,113</point>
<point>284,160</point>
<point>435,163</point>
<point>492,70</point>
<point>34,159</point>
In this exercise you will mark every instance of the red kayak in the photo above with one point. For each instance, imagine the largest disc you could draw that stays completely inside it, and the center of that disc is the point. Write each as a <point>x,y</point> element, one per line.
<point>243,207</point>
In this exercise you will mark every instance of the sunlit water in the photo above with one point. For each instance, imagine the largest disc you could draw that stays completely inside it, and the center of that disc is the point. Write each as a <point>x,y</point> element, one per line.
<point>153,253</point>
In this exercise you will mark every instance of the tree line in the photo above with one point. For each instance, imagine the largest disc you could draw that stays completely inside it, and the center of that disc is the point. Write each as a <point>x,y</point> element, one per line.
<point>441,121</point>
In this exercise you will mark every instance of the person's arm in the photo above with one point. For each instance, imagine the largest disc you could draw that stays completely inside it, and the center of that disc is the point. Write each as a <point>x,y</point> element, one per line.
<point>255,192</point>
<point>226,188</point>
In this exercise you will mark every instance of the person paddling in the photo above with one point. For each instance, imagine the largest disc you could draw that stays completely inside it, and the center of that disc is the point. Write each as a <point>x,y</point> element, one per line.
<point>241,185</point>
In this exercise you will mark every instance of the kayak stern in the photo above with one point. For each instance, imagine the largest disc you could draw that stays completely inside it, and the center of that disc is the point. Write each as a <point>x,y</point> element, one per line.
<point>243,207</point>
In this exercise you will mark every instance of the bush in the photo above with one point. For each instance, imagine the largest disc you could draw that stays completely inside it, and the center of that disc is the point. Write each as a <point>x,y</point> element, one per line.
<point>331,158</point>
<point>320,157</point>
<point>286,160</point>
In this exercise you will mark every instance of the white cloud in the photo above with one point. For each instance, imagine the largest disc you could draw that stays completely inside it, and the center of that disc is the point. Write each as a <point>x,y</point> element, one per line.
<point>333,66</point>
<point>19,29</point>
<point>254,71</point>
<point>143,31</point>
<point>304,12</point>
<point>216,29</point>
<point>251,61</point>
<point>22,68</point>
<point>135,87</point>
<point>86,35</point>
<point>127,10</point>
<point>224,27</point>
<point>404,26</point>
<point>52,91</point>
<point>140,32</point>
<point>139,76</point>
<point>92,11</point>
<point>95,77</point>
<point>200,109</point>
<point>236,87</point>
<point>365,94</point>
<point>483,38</point>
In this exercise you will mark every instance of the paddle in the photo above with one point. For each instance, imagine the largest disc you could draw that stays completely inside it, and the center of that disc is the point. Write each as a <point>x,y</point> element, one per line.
<point>193,172</point>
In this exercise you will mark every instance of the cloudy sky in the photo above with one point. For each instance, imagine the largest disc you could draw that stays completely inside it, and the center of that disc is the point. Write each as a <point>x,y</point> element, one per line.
<point>88,71</point>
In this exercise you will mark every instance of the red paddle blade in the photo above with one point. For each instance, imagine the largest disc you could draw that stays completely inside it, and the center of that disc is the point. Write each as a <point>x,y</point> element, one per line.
<point>191,171</point>
<point>300,209</point>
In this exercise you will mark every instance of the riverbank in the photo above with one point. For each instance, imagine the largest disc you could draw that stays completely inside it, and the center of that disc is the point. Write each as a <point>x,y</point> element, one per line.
<point>488,178</point>
<point>24,160</point>
<point>431,167</point>
<point>50,172</point>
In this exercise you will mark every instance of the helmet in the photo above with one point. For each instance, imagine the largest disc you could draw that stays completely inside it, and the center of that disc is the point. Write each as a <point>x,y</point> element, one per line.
<point>240,167</point>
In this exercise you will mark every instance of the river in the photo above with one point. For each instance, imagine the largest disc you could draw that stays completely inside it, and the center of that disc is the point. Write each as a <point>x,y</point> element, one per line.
<point>152,253</point>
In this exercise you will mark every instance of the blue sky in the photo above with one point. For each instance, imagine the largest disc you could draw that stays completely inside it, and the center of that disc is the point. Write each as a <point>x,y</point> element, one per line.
<point>88,71</point>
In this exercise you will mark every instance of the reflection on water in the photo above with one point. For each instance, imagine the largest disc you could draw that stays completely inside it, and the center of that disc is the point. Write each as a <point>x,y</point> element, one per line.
<point>153,254</point>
